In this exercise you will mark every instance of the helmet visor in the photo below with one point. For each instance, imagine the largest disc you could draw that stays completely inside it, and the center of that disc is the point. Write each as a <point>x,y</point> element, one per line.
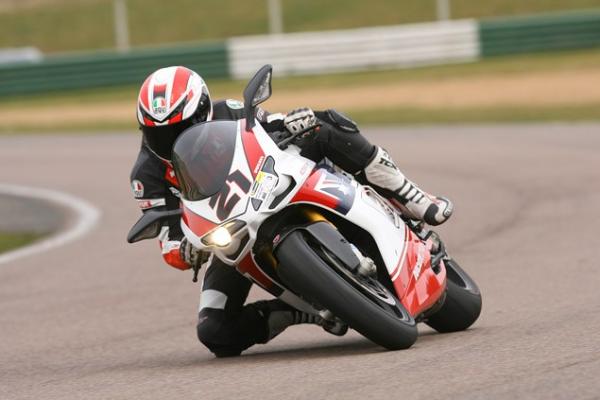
<point>160,139</point>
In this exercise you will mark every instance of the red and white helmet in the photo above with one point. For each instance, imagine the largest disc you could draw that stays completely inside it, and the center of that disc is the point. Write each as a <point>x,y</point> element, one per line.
<point>171,100</point>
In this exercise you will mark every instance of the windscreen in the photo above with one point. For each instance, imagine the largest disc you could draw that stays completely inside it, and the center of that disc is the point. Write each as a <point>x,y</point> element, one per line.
<point>202,158</point>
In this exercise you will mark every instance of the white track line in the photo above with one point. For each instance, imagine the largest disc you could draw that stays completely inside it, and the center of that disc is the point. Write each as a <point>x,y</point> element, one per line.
<point>86,216</point>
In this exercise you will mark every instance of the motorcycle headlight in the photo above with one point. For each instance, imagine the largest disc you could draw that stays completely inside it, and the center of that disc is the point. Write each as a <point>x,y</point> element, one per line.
<point>221,236</point>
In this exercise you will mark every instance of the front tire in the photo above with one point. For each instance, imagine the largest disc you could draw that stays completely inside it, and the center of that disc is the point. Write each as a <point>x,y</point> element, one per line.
<point>462,305</point>
<point>371,309</point>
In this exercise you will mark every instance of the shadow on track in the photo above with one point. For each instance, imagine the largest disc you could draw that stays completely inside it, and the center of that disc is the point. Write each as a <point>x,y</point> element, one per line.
<point>196,358</point>
<point>192,359</point>
<point>349,347</point>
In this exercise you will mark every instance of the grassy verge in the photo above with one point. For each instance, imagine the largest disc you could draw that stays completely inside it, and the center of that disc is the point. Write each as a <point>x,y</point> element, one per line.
<point>9,241</point>
<point>113,108</point>
<point>556,61</point>
<point>386,116</point>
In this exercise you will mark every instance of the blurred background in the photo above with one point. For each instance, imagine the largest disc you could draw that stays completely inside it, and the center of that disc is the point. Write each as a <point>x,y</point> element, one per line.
<point>80,63</point>
<point>493,103</point>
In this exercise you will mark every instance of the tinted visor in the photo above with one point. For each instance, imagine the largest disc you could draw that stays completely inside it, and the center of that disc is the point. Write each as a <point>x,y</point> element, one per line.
<point>202,158</point>
<point>160,139</point>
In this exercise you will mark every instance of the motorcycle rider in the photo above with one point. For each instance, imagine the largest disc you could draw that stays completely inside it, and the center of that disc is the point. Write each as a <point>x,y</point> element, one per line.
<point>174,98</point>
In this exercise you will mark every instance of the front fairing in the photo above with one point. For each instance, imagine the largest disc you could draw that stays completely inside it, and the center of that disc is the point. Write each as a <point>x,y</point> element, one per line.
<point>202,158</point>
<point>259,174</point>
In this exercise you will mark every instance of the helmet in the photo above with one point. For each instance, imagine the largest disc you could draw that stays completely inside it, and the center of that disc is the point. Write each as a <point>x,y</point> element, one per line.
<point>171,100</point>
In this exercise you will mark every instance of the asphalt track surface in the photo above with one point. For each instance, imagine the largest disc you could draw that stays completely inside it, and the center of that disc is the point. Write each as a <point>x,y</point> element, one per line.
<point>100,319</point>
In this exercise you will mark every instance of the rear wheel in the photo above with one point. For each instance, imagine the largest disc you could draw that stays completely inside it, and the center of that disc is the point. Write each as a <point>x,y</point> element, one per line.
<point>362,302</point>
<point>462,305</point>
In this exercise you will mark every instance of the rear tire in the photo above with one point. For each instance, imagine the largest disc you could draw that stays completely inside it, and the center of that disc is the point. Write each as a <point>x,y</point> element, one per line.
<point>371,309</point>
<point>462,305</point>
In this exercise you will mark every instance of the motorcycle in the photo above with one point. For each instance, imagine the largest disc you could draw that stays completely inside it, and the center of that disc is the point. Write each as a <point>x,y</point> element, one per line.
<point>309,234</point>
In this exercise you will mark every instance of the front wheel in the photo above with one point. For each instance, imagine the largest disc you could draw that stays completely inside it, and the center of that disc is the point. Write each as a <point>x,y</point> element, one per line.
<point>462,305</point>
<point>363,303</point>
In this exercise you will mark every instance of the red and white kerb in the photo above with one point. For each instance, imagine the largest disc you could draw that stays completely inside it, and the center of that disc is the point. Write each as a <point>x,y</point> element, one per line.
<point>169,89</point>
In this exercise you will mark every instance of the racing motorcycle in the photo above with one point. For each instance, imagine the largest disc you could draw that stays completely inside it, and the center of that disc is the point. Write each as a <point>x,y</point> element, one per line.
<point>309,234</point>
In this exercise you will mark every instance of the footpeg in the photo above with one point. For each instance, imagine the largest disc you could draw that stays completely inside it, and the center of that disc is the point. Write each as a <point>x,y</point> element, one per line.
<point>332,324</point>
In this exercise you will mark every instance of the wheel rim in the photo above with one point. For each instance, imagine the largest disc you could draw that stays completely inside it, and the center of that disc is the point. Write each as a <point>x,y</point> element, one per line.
<point>369,286</point>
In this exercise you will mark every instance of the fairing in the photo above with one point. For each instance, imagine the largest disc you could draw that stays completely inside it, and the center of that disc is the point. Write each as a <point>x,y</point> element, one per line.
<point>260,172</point>
<point>406,257</point>
<point>247,195</point>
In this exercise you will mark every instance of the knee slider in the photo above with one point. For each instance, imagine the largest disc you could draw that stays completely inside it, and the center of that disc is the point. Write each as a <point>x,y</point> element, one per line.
<point>208,327</point>
<point>212,332</point>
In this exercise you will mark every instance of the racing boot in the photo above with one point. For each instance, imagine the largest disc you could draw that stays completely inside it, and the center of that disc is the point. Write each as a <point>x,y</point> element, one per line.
<point>410,199</point>
<point>280,316</point>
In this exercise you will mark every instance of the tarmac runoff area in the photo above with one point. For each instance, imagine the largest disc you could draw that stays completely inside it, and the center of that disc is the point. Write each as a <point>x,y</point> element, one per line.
<point>26,214</point>
<point>96,318</point>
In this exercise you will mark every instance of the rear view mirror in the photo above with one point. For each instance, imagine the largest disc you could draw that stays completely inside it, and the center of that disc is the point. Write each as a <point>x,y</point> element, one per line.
<point>257,91</point>
<point>263,92</point>
<point>150,224</point>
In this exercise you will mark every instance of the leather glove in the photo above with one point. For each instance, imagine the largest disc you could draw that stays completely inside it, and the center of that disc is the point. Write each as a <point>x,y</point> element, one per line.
<point>191,255</point>
<point>300,120</point>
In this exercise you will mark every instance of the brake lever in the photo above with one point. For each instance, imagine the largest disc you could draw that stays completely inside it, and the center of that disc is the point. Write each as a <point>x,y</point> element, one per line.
<point>196,269</point>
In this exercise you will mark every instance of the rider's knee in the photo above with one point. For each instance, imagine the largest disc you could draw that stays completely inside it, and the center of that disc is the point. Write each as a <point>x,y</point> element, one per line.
<point>343,142</point>
<point>214,333</point>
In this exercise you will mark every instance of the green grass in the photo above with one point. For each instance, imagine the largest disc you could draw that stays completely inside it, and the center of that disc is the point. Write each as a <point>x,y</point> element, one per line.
<point>9,241</point>
<point>554,61</point>
<point>59,27</point>
<point>65,25</point>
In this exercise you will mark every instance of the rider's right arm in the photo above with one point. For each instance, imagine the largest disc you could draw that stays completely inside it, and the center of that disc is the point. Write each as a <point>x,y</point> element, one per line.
<point>151,191</point>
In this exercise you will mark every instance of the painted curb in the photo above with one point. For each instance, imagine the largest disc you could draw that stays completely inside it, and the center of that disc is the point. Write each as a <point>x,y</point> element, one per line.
<point>86,218</point>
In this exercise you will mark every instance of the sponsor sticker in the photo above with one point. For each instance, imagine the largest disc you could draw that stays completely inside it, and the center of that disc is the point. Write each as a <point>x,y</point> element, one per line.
<point>259,164</point>
<point>263,185</point>
<point>420,260</point>
<point>150,203</point>
<point>159,106</point>
<point>305,168</point>
<point>138,188</point>
<point>234,104</point>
